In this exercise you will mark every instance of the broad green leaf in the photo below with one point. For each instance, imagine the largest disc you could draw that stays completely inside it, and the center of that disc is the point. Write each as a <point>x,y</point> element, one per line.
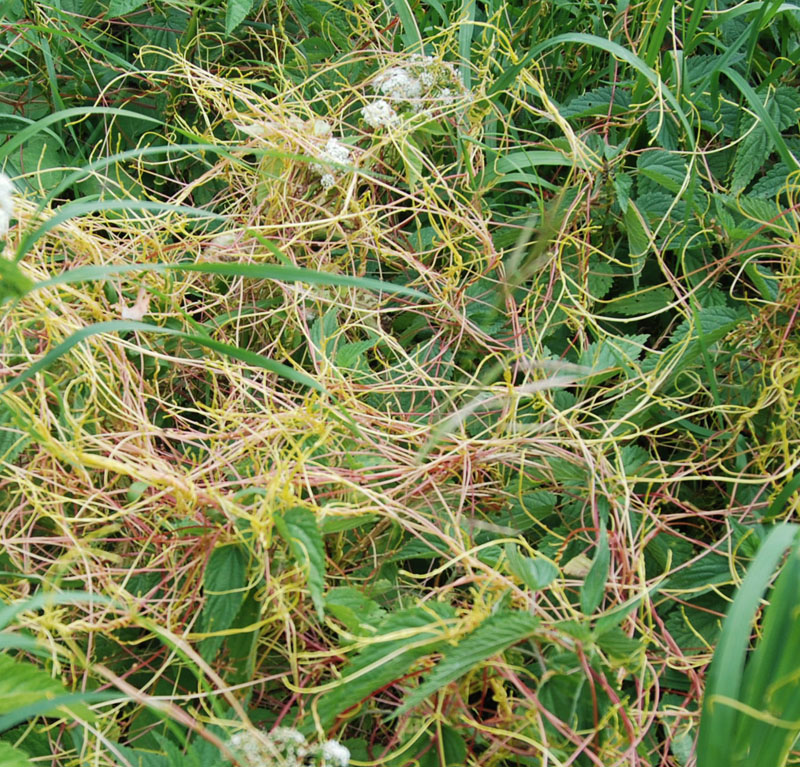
<point>638,240</point>
<point>402,638</point>
<point>235,13</point>
<point>594,585</point>
<point>360,614</point>
<point>496,634</point>
<point>13,757</point>
<point>298,527</point>
<point>598,101</point>
<point>13,283</point>
<point>750,157</point>
<point>536,573</point>
<point>122,7</point>
<point>224,585</point>
<point>668,169</point>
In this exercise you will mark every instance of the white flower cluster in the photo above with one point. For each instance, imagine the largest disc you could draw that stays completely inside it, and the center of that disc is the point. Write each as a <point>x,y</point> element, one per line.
<point>380,114</point>
<point>423,82</point>
<point>334,151</point>
<point>7,190</point>
<point>290,748</point>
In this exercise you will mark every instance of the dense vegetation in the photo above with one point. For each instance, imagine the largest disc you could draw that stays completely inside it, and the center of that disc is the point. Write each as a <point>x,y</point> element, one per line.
<point>418,380</point>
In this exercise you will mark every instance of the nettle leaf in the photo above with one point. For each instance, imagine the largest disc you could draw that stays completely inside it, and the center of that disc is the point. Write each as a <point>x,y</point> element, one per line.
<point>402,638</point>
<point>646,302</point>
<point>118,8</point>
<point>715,322</point>
<point>663,129</point>
<point>360,614</point>
<point>298,527</point>
<point>12,440</point>
<point>771,184</point>
<point>594,585</point>
<point>495,635</point>
<point>750,157</point>
<point>786,105</point>
<point>597,101</point>
<point>13,757</point>
<point>536,573</point>
<point>224,584</point>
<point>235,13</point>
<point>22,684</point>
<point>666,169</point>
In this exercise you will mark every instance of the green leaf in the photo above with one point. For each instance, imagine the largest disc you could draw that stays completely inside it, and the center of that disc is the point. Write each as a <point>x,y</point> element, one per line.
<point>536,573</point>
<point>360,614</point>
<point>235,13</point>
<point>257,360</point>
<point>298,527</point>
<point>786,105</point>
<point>118,8</point>
<point>594,585</point>
<point>751,156</point>
<point>13,283</point>
<point>721,724</point>
<point>22,683</point>
<point>402,638</point>
<point>224,585</point>
<point>13,757</point>
<point>666,169</point>
<point>598,101</point>
<point>496,634</point>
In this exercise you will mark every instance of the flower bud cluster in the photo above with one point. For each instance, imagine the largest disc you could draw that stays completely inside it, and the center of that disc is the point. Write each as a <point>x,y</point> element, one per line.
<point>333,152</point>
<point>288,749</point>
<point>423,83</point>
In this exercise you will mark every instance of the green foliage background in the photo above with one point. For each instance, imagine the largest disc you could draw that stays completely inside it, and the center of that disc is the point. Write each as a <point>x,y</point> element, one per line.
<point>461,461</point>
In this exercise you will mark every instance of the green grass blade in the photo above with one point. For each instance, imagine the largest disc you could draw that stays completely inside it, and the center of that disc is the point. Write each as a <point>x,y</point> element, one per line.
<point>119,326</point>
<point>716,739</point>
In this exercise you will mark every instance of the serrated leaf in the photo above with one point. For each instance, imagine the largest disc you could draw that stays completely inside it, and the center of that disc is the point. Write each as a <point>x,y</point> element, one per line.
<point>772,183</point>
<point>639,237</point>
<point>594,585</point>
<point>360,614</point>
<point>13,757</point>
<point>666,169</point>
<point>714,321</point>
<point>787,104</point>
<point>298,527</point>
<point>751,156</point>
<point>383,661</point>
<point>118,8</point>
<point>224,583</point>
<point>235,13</point>
<point>651,300</point>
<point>495,635</point>
<point>598,101</point>
<point>536,573</point>
<point>22,684</point>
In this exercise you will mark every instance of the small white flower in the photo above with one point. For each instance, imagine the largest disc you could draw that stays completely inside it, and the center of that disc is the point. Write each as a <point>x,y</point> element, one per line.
<point>334,151</point>
<point>7,191</point>
<point>397,84</point>
<point>288,735</point>
<point>380,114</point>
<point>427,79</point>
<point>321,128</point>
<point>334,754</point>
